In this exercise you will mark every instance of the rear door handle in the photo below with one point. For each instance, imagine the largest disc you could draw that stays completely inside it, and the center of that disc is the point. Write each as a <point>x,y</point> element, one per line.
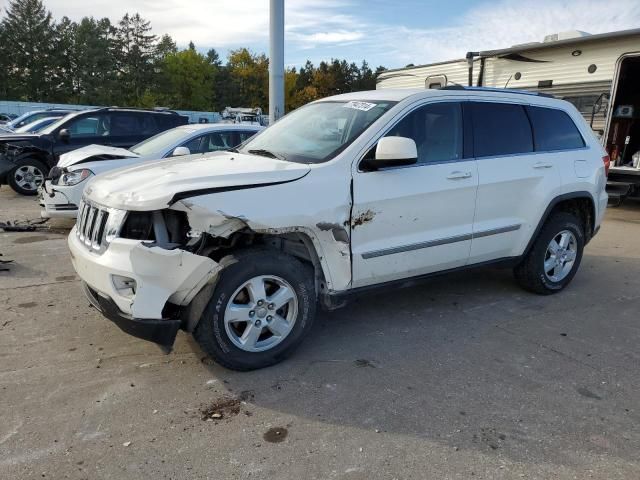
<point>543,165</point>
<point>458,175</point>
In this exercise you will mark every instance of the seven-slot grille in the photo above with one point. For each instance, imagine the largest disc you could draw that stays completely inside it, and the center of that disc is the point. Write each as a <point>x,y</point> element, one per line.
<point>90,225</point>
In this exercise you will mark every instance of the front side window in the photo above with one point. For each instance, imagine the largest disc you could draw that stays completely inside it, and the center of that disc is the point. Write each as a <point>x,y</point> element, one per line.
<point>554,130</point>
<point>500,129</point>
<point>217,141</point>
<point>317,132</point>
<point>436,129</point>
<point>98,125</point>
<point>194,145</point>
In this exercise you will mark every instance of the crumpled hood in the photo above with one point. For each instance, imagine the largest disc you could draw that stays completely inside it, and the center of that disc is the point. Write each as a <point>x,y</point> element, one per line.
<point>152,185</point>
<point>85,153</point>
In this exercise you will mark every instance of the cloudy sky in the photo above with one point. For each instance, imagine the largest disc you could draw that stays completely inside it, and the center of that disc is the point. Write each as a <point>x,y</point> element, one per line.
<point>391,33</point>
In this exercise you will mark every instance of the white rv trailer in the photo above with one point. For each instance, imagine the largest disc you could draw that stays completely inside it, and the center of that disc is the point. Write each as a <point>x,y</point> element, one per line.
<point>586,70</point>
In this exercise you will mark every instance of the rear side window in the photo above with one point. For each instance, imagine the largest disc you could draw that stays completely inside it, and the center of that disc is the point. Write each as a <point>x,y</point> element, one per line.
<point>123,124</point>
<point>165,121</point>
<point>147,125</point>
<point>500,129</point>
<point>554,130</point>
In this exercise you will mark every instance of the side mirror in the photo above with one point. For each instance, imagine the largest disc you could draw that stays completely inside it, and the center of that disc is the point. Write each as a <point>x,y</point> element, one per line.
<point>393,152</point>
<point>64,134</point>
<point>180,151</point>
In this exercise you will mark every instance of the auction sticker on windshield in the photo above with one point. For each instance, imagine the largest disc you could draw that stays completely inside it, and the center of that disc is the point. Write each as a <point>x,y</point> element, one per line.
<point>364,106</point>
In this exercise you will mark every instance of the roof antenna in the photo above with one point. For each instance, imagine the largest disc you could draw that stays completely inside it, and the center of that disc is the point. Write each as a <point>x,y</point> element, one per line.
<point>505,85</point>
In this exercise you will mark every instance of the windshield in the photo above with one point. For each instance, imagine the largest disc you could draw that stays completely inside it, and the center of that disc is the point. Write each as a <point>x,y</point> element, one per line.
<point>16,121</point>
<point>159,143</point>
<point>318,132</point>
<point>36,126</point>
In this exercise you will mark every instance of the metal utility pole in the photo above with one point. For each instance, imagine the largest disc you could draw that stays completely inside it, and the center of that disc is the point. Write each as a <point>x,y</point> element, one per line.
<point>276,60</point>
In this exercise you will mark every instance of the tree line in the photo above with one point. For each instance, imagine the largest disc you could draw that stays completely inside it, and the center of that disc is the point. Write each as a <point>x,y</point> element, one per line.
<point>99,62</point>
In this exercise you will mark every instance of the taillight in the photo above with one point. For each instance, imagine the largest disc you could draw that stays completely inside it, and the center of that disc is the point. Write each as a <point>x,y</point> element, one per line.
<point>607,163</point>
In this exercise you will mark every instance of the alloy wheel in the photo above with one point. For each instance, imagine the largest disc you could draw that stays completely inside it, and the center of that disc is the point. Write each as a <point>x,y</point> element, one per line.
<point>560,256</point>
<point>261,313</point>
<point>28,177</point>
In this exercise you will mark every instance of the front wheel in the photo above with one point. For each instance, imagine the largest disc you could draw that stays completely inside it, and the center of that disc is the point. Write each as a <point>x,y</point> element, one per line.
<point>27,176</point>
<point>261,309</point>
<point>555,256</point>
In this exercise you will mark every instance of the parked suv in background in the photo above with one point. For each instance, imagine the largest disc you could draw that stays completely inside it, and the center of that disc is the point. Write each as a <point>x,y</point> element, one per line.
<point>62,191</point>
<point>25,160</point>
<point>345,195</point>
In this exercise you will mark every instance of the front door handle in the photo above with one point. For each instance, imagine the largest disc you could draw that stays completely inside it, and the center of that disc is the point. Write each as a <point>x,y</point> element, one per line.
<point>458,175</point>
<point>543,165</point>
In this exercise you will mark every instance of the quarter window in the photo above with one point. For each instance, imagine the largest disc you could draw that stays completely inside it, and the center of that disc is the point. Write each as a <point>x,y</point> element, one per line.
<point>554,130</point>
<point>436,129</point>
<point>500,129</point>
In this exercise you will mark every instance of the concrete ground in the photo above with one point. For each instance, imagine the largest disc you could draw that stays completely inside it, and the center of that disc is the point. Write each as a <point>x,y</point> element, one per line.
<point>466,376</point>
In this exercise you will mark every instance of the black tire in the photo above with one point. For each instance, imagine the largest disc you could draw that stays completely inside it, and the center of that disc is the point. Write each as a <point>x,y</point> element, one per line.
<point>530,272</point>
<point>12,179</point>
<point>210,332</point>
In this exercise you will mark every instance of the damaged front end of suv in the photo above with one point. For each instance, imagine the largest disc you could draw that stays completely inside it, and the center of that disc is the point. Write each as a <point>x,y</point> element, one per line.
<point>236,247</point>
<point>154,271</point>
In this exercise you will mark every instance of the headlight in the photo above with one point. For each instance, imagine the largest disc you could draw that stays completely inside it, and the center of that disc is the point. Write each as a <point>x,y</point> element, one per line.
<point>75,177</point>
<point>114,223</point>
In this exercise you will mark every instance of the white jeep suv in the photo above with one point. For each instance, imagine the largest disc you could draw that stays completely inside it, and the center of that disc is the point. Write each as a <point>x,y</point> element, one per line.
<point>344,195</point>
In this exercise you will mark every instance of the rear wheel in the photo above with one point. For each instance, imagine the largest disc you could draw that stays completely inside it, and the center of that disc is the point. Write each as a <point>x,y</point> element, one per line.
<point>555,256</point>
<point>261,309</point>
<point>27,176</point>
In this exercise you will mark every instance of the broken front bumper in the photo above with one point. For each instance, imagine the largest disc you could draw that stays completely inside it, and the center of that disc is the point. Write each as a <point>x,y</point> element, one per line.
<point>161,332</point>
<point>5,167</point>
<point>59,201</point>
<point>158,276</point>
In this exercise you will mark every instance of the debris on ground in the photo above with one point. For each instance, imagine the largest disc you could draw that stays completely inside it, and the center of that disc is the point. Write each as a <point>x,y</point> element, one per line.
<point>126,444</point>
<point>31,226</point>
<point>363,362</point>
<point>223,408</point>
<point>14,227</point>
<point>23,226</point>
<point>277,435</point>
<point>4,262</point>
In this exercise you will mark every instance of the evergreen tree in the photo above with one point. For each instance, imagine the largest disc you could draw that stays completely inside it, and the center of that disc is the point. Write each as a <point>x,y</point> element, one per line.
<point>4,64</point>
<point>96,62</point>
<point>165,46</point>
<point>28,32</point>
<point>136,48</point>
<point>65,63</point>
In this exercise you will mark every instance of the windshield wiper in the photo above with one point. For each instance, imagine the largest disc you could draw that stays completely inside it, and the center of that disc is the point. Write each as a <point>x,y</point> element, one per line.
<point>266,153</point>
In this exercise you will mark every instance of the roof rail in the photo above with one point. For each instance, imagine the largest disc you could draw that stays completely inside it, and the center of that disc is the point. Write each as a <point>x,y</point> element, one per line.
<point>139,109</point>
<point>497,90</point>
